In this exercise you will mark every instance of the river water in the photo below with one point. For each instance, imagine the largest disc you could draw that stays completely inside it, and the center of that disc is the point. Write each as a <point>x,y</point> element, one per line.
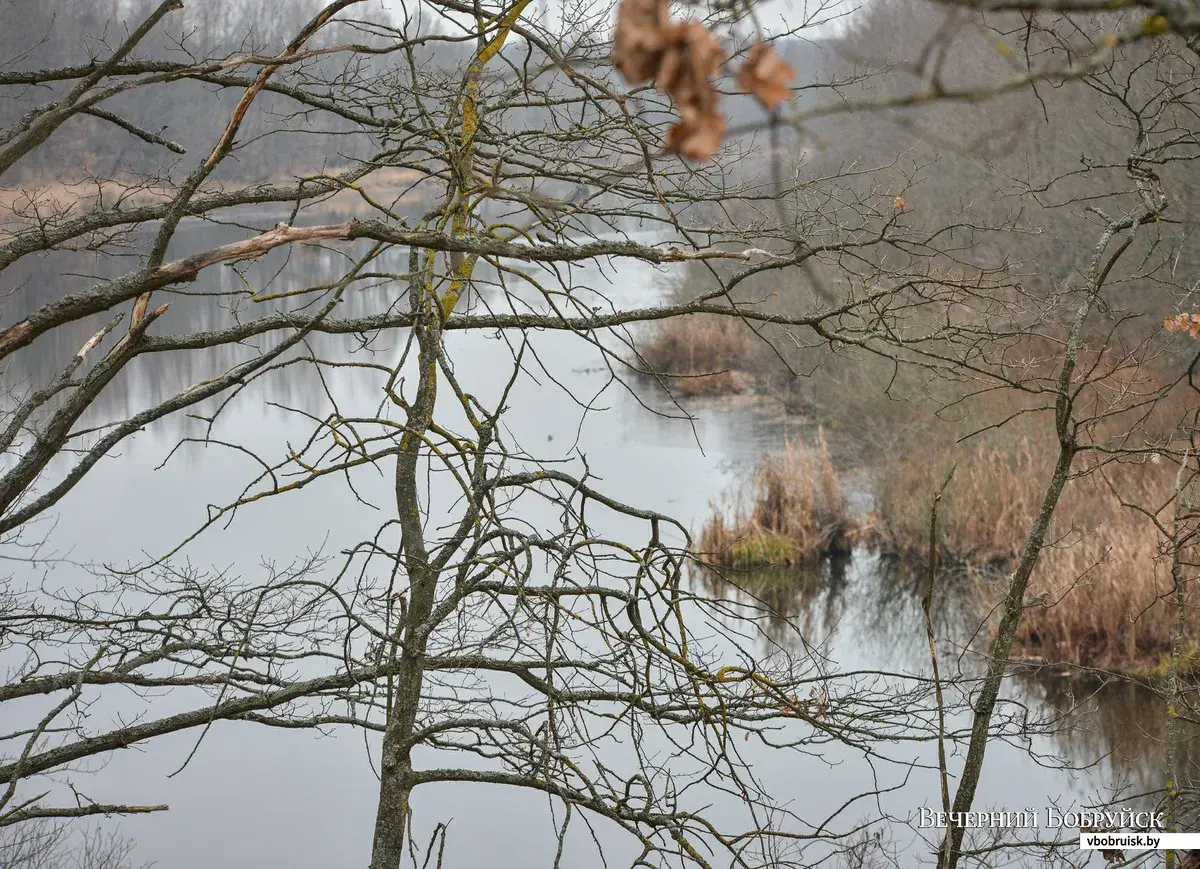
<point>255,796</point>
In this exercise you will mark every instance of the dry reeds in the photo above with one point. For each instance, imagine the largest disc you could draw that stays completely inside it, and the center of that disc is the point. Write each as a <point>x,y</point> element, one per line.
<point>793,512</point>
<point>1099,594</point>
<point>1103,586</point>
<point>984,515</point>
<point>702,354</point>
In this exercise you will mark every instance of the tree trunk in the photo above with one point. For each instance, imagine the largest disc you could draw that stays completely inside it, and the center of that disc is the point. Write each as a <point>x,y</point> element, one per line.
<point>411,636</point>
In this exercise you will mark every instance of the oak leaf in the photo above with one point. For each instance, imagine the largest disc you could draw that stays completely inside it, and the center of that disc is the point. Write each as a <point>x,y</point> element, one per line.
<point>766,75</point>
<point>681,57</point>
<point>641,36</point>
<point>698,136</point>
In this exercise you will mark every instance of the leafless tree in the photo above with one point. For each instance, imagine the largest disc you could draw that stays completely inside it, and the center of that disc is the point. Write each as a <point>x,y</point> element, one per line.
<point>508,621</point>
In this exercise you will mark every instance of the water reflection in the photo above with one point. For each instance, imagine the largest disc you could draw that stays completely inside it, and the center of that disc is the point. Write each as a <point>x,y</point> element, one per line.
<point>223,297</point>
<point>864,613</point>
<point>868,602</point>
<point>1107,736</point>
<point>1121,726</point>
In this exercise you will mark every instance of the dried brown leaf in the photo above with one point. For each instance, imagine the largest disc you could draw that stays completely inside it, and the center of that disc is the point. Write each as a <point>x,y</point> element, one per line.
<point>681,57</point>
<point>766,75</point>
<point>642,33</point>
<point>686,77</point>
<point>698,136</point>
<point>1189,323</point>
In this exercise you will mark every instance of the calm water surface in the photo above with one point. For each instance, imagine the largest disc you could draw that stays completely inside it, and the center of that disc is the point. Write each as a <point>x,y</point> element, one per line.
<point>261,797</point>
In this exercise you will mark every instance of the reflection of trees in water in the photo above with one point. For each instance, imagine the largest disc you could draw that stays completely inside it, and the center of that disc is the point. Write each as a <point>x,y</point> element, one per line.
<point>876,600</point>
<point>1123,724</point>
<point>794,602</point>
<point>1117,727</point>
<point>896,619</point>
<point>221,298</point>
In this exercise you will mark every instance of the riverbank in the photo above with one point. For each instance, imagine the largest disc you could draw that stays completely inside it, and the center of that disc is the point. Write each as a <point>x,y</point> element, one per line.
<point>1101,596</point>
<point>61,199</point>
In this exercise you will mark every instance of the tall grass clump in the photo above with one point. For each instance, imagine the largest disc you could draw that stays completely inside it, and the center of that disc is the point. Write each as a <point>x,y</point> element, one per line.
<point>701,354</point>
<point>1100,594</point>
<point>794,511</point>
<point>984,514</point>
<point>1102,591</point>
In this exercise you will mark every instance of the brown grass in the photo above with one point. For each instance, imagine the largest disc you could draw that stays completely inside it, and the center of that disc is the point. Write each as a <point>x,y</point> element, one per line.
<point>700,354</point>
<point>1103,587</point>
<point>986,511</point>
<point>1098,596</point>
<point>793,512</point>
<point>1099,593</point>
